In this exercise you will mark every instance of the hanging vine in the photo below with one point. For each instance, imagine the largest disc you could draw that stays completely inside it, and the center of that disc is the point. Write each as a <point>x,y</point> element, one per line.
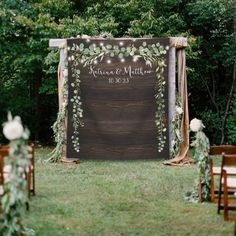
<point>176,124</point>
<point>59,125</point>
<point>77,110</point>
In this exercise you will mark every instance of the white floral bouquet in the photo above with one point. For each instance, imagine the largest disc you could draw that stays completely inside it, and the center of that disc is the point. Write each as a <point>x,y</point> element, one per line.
<point>201,147</point>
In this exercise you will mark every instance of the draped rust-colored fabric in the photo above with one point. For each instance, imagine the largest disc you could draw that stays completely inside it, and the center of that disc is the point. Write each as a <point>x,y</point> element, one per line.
<point>182,157</point>
<point>60,86</point>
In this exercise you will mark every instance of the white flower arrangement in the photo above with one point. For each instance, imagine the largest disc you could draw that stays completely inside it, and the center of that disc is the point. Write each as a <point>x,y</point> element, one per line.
<point>63,45</point>
<point>196,125</point>
<point>179,110</point>
<point>65,72</point>
<point>13,128</point>
<point>85,36</point>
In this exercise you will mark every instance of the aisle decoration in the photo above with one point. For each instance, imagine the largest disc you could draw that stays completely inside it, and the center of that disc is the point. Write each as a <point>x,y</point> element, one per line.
<point>13,201</point>
<point>201,147</point>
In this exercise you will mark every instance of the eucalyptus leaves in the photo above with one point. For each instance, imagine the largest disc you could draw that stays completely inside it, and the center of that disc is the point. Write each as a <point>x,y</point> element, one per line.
<point>86,54</point>
<point>176,125</point>
<point>77,110</point>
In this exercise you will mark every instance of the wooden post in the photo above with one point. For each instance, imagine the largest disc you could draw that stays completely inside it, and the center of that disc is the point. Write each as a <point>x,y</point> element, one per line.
<point>57,43</point>
<point>200,190</point>
<point>171,91</point>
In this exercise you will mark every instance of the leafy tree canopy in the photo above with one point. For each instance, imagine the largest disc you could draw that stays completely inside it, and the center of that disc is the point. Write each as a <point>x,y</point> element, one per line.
<point>28,67</point>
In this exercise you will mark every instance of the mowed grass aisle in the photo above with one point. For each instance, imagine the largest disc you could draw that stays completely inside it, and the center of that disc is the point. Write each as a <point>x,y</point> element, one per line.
<point>118,198</point>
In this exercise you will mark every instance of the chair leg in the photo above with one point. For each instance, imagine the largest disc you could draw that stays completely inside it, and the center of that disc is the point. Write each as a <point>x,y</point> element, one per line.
<point>33,181</point>
<point>226,215</point>
<point>33,173</point>
<point>200,190</point>
<point>235,228</point>
<point>212,191</point>
<point>28,175</point>
<point>219,195</point>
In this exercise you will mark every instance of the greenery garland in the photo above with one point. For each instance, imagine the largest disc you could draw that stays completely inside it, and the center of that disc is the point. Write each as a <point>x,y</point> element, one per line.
<point>201,147</point>
<point>59,134</point>
<point>176,124</point>
<point>80,54</point>
<point>15,188</point>
<point>77,110</point>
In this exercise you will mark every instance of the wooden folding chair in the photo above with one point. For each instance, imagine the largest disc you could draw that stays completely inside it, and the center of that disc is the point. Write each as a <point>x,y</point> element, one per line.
<point>30,173</point>
<point>216,170</point>
<point>32,169</point>
<point>227,186</point>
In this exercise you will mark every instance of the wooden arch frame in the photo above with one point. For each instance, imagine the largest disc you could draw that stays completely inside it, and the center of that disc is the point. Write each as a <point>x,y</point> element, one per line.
<point>176,44</point>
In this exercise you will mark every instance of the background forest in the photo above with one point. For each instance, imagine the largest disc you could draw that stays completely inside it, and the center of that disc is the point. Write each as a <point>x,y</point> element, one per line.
<point>28,67</point>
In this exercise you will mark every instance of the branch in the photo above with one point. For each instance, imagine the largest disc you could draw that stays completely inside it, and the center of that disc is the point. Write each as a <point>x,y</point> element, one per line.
<point>231,91</point>
<point>227,106</point>
<point>210,94</point>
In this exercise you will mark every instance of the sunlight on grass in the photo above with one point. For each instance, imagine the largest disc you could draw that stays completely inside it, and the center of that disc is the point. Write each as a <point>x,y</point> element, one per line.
<point>118,198</point>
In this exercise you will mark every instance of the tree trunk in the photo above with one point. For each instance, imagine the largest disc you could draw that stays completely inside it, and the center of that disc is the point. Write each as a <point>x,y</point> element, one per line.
<point>230,94</point>
<point>37,81</point>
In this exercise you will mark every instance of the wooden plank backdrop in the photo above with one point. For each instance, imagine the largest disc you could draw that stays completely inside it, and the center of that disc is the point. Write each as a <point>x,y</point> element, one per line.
<point>119,111</point>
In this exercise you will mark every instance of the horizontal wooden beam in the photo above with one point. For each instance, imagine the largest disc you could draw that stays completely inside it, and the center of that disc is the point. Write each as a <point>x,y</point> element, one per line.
<point>55,43</point>
<point>178,42</point>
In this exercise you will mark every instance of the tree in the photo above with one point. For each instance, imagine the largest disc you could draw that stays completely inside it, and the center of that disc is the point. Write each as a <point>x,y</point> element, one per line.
<point>28,67</point>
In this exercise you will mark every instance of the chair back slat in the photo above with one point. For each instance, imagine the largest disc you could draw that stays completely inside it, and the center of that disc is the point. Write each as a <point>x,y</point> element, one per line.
<point>229,160</point>
<point>218,150</point>
<point>4,150</point>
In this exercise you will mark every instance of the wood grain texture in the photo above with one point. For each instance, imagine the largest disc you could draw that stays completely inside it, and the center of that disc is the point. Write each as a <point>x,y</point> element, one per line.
<point>119,118</point>
<point>115,152</point>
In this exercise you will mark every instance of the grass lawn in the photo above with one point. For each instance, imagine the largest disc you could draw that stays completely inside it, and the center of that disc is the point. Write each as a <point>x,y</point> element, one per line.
<point>118,198</point>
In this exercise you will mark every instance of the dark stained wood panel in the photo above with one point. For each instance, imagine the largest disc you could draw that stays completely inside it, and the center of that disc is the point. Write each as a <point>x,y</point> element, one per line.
<point>112,110</point>
<point>118,126</point>
<point>119,114</point>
